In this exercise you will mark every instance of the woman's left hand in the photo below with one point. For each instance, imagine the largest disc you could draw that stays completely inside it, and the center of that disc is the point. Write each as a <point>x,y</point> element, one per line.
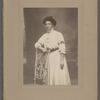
<point>62,61</point>
<point>61,64</point>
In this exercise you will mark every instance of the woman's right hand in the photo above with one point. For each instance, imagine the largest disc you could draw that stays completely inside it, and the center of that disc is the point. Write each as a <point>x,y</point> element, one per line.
<point>38,46</point>
<point>44,50</point>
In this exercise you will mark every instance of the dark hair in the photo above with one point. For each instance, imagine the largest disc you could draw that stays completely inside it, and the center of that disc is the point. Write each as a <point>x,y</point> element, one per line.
<point>51,19</point>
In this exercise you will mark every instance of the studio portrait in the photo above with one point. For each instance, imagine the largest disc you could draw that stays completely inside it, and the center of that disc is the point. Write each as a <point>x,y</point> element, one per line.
<point>50,46</point>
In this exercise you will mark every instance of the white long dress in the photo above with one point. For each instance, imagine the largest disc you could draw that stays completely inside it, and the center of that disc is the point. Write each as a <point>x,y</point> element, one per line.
<point>56,75</point>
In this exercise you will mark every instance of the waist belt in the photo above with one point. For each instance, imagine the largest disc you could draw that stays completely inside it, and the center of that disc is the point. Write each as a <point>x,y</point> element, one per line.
<point>52,50</point>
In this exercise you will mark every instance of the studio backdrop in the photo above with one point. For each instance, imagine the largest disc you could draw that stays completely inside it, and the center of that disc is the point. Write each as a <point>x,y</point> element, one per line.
<point>67,24</point>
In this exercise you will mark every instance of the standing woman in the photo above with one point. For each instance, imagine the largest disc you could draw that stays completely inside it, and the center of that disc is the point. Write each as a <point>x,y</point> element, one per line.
<point>50,64</point>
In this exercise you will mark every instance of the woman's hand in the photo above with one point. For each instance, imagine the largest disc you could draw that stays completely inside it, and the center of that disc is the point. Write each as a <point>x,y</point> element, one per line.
<point>61,61</point>
<point>38,46</point>
<point>61,64</point>
<point>44,50</point>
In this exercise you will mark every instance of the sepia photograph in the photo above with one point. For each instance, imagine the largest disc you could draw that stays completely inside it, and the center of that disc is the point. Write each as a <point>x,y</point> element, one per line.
<point>50,49</point>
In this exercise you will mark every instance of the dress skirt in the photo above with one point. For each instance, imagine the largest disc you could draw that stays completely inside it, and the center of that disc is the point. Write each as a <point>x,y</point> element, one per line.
<point>56,75</point>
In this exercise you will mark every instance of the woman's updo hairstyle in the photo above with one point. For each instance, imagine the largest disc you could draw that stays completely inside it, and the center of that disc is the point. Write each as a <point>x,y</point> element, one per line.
<point>51,19</point>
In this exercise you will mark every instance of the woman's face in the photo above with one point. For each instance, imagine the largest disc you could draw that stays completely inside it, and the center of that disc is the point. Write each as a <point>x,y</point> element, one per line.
<point>48,25</point>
